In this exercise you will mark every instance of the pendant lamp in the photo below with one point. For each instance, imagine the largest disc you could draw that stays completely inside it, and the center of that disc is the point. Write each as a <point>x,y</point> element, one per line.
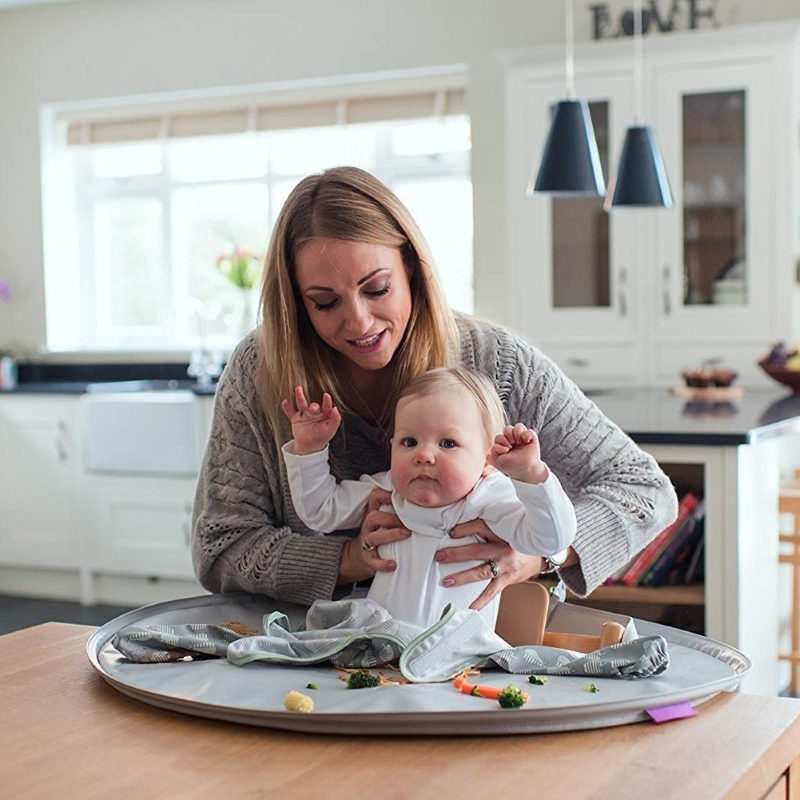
<point>570,165</point>
<point>641,176</point>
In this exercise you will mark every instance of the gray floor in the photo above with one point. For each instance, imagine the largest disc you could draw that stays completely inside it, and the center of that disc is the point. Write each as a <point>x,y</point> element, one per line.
<point>23,612</point>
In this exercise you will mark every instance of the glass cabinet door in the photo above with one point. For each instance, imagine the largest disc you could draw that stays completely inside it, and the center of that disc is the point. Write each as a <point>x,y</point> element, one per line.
<point>714,190</point>
<point>580,264</point>
<point>574,264</point>
<point>713,248</point>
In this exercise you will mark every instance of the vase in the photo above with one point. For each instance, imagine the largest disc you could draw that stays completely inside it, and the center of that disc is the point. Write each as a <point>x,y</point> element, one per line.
<point>246,313</point>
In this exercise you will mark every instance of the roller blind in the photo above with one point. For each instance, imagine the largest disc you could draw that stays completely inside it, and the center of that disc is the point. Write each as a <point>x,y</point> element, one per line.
<point>373,102</point>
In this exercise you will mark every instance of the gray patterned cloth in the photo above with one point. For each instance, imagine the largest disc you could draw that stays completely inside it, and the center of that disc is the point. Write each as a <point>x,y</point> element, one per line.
<point>358,633</point>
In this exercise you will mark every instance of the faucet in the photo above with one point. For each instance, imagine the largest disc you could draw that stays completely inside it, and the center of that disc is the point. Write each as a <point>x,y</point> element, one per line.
<point>205,364</point>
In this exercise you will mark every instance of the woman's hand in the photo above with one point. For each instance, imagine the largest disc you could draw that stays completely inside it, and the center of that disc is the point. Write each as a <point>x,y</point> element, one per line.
<point>513,567</point>
<point>360,559</point>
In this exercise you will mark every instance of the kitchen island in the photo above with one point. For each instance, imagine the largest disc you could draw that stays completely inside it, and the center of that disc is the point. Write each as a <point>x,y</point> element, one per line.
<point>734,454</point>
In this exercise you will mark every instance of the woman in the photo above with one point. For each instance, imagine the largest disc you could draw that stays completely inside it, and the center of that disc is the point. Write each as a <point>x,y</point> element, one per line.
<point>351,305</point>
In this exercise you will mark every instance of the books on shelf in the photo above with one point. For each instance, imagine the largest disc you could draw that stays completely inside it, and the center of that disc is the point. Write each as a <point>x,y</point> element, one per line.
<point>638,569</point>
<point>678,551</point>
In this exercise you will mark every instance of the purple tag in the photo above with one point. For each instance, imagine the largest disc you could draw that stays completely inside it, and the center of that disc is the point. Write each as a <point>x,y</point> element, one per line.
<point>676,711</point>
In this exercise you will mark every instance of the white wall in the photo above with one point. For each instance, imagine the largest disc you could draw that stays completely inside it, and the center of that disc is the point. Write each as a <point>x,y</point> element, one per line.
<point>87,49</point>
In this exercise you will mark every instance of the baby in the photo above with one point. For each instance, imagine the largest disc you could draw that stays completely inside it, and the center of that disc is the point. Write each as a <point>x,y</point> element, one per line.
<point>449,465</point>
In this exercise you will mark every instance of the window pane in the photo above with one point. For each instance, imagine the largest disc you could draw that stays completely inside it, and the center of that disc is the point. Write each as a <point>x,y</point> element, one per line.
<point>129,291</point>
<point>429,137</point>
<point>443,210</point>
<point>127,161</point>
<point>206,223</point>
<point>219,157</point>
<point>300,152</point>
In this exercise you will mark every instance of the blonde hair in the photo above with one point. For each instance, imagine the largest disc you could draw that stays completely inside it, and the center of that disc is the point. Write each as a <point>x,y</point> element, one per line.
<point>350,204</point>
<point>483,391</point>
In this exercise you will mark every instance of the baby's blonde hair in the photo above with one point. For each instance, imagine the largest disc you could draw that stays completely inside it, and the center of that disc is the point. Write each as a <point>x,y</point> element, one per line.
<point>483,391</point>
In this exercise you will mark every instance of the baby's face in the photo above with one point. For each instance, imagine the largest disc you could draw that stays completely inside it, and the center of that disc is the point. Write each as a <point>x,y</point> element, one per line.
<point>439,448</point>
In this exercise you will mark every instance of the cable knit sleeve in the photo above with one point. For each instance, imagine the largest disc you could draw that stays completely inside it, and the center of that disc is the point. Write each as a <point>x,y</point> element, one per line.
<point>246,535</point>
<point>622,498</point>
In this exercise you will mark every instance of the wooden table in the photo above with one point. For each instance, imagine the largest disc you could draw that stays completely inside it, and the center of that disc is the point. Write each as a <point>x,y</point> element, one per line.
<point>64,733</point>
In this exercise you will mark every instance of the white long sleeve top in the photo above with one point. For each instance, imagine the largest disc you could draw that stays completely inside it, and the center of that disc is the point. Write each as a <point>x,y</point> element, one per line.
<point>537,519</point>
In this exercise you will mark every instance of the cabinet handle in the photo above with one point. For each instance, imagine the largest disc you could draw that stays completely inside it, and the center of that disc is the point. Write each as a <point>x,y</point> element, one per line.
<point>665,291</point>
<point>61,448</point>
<point>623,298</point>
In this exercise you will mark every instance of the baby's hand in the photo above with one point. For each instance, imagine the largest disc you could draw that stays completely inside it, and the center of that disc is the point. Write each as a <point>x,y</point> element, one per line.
<point>314,425</point>
<point>516,452</point>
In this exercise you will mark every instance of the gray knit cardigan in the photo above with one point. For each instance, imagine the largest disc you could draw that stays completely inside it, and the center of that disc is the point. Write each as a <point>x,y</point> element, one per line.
<point>247,536</point>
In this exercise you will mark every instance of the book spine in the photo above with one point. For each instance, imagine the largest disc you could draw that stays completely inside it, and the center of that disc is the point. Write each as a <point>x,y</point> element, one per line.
<point>651,552</point>
<point>682,541</point>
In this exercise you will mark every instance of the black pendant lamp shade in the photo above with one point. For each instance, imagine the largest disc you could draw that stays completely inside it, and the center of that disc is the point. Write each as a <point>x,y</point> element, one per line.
<point>641,176</point>
<point>570,162</point>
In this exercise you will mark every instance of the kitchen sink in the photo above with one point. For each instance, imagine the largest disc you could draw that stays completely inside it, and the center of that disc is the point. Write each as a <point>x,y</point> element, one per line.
<point>142,431</point>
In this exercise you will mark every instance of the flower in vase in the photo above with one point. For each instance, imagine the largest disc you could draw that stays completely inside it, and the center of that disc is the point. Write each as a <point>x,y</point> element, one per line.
<point>242,267</point>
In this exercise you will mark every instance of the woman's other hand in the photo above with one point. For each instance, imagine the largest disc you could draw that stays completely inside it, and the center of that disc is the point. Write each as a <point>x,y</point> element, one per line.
<point>360,559</point>
<point>513,567</point>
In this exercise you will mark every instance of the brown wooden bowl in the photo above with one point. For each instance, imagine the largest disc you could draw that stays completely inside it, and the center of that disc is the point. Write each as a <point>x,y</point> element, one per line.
<point>788,377</point>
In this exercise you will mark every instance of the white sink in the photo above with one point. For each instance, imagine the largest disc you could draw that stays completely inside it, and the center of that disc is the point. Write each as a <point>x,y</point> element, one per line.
<point>151,433</point>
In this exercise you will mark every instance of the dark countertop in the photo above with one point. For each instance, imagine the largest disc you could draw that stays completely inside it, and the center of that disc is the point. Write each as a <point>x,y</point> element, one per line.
<point>54,378</point>
<point>84,387</point>
<point>654,416</point>
<point>649,416</point>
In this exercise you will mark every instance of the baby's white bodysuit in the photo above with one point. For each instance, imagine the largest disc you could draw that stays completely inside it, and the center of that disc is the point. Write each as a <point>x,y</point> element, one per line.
<point>534,519</point>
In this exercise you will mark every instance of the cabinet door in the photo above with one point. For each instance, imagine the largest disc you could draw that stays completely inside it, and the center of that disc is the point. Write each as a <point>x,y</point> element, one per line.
<point>715,264</point>
<point>141,526</point>
<point>38,480</point>
<point>575,275</point>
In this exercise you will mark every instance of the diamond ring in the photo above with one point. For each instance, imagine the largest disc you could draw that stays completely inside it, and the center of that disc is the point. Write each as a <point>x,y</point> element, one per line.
<point>493,567</point>
<point>365,545</point>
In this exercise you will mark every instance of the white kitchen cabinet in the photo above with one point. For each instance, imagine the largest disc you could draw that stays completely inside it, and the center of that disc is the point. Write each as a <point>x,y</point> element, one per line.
<point>631,295</point>
<point>140,526</point>
<point>40,473</point>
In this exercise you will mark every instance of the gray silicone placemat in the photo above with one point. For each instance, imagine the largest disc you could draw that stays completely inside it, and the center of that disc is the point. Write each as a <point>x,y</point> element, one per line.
<point>253,694</point>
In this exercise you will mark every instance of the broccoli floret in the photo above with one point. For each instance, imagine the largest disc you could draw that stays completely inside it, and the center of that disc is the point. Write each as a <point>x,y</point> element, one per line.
<point>591,688</point>
<point>312,686</point>
<point>362,680</point>
<point>511,697</point>
<point>537,680</point>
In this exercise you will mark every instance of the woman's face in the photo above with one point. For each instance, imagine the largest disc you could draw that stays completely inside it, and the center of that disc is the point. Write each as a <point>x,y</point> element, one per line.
<point>358,297</point>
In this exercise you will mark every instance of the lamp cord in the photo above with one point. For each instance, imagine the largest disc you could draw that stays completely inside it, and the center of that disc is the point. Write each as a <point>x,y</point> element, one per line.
<point>570,50</point>
<point>637,61</point>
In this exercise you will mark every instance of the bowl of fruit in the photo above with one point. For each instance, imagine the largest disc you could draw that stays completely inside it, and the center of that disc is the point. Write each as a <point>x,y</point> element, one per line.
<point>782,364</point>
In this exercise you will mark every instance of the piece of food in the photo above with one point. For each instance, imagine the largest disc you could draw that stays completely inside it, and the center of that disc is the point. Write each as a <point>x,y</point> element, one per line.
<point>312,686</point>
<point>296,701</point>
<point>537,680</point>
<point>591,688</point>
<point>778,355</point>
<point>362,679</point>
<point>511,697</point>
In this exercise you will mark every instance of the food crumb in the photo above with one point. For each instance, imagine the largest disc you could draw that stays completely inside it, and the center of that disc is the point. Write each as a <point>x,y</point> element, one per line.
<point>296,701</point>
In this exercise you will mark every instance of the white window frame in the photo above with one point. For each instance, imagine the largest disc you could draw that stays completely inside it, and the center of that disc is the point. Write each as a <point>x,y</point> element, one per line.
<point>69,275</point>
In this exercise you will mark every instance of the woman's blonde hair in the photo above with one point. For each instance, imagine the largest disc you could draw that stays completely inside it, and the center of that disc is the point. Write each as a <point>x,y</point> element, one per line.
<point>350,204</point>
<point>483,391</point>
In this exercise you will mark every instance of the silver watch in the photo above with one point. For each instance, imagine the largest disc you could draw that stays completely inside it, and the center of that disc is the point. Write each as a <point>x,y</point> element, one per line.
<point>555,562</point>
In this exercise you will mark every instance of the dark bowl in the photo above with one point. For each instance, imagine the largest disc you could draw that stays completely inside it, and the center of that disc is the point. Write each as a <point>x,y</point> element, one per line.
<point>788,377</point>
